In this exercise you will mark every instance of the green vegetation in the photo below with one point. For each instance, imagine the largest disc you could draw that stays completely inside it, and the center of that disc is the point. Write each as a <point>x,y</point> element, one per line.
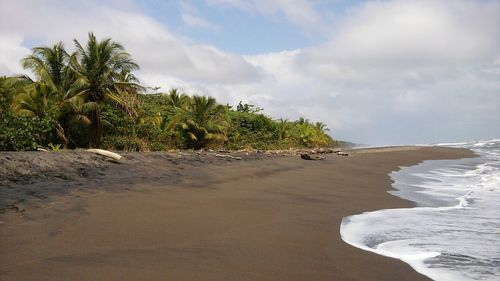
<point>91,98</point>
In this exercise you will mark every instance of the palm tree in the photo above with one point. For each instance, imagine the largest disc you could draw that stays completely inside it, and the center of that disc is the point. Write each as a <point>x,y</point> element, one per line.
<point>74,109</point>
<point>175,102</point>
<point>282,129</point>
<point>302,121</point>
<point>58,92</point>
<point>50,65</point>
<point>106,70</point>
<point>321,127</point>
<point>38,100</point>
<point>9,87</point>
<point>201,121</point>
<point>176,99</point>
<point>42,100</point>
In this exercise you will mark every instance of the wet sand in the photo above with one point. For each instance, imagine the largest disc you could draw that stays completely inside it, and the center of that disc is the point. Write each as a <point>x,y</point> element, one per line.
<point>201,218</point>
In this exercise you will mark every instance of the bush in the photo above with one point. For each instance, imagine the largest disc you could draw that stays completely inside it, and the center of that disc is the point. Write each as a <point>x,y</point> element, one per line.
<point>25,133</point>
<point>126,143</point>
<point>250,130</point>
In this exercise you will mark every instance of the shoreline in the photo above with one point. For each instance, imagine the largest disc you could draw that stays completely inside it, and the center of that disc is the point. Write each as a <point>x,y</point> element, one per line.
<point>268,218</point>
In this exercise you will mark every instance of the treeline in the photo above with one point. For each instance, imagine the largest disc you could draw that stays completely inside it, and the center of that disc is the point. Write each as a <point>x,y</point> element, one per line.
<point>91,98</point>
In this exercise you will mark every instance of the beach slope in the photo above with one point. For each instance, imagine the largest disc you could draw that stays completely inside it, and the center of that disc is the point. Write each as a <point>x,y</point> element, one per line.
<point>164,217</point>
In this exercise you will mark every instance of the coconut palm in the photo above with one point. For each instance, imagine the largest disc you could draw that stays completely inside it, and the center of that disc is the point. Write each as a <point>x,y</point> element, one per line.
<point>38,100</point>
<point>302,121</point>
<point>176,99</point>
<point>43,100</point>
<point>321,127</point>
<point>75,109</point>
<point>201,121</point>
<point>9,87</point>
<point>50,65</point>
<point>282,129</point>
<point>106,70</point>
<point>58,92</point>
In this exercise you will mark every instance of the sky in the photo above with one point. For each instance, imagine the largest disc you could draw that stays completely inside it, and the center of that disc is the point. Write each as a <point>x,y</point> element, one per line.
<point>376,72</point>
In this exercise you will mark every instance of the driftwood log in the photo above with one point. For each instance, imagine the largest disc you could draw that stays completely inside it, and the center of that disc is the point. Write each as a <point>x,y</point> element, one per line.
<point>228,156</point>
<point>105,153</point>
<point>306,156</point>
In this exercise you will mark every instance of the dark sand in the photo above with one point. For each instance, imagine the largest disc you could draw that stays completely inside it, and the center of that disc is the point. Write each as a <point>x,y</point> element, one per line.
<point>165,217</point>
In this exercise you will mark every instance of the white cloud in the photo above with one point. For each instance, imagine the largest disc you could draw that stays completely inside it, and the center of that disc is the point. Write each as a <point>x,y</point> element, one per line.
<point>299,12</point>
<point>152,45</point>
<point>279,68</point>
<point>401,71</point>
<point>196,21</point>
<point>11,51</point>
<point>412,33</point>
<point>391,72</point>
<point>192,18</point>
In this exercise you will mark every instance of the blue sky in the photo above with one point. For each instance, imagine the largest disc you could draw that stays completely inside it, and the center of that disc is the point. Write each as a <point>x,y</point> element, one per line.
<point>376,72</point>
<point>234,30</point>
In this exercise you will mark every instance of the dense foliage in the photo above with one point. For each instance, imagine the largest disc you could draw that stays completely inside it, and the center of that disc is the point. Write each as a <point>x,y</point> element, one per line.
<point>91,98</point>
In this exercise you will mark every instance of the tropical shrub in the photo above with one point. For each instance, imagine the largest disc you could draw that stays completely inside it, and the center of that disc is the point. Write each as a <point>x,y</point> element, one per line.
<point>201,122</point>
<point>26,133</point>
<point>91,98</point>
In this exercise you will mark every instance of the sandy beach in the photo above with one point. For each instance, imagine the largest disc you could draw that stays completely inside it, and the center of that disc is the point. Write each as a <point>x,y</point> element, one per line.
<point>160,216</point>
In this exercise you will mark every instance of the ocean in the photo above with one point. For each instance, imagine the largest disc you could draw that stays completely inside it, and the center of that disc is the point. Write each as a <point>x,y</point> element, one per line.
<point>454,232</point>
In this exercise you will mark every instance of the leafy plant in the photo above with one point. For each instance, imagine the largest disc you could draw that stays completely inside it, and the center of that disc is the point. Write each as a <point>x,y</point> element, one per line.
<point>25,133</point>
<point>54,147</point>
<point>201,122</point>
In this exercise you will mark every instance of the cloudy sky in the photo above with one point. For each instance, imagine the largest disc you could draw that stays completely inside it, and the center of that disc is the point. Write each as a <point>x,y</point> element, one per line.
<point>376,72</point>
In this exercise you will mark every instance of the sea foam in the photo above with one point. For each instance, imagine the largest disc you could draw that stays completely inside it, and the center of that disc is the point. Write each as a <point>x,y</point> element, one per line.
<point>454,232</point>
